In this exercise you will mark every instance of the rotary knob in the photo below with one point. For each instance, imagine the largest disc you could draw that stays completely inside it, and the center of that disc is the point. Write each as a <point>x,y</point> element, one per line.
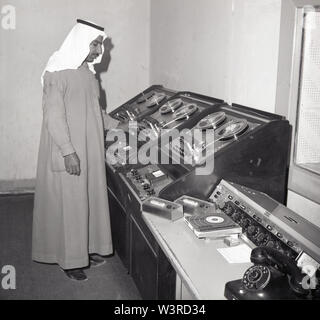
<point>236,216</point>
<point>146,186</point>
<point>244,223</point>
<point>134,172</point>
<point>228,210</point>
<point>262,238</point>
<point>253,231</point>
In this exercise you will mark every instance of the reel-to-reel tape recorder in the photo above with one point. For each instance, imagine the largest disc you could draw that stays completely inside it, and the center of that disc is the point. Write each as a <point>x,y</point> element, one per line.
<point>250,148</point>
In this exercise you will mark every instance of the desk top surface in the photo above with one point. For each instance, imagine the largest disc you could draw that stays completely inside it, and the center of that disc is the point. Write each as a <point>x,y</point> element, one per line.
<point>202,269</point>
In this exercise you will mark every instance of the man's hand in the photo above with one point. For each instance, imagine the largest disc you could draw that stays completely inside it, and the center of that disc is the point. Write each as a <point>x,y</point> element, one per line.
<point>72,164</point>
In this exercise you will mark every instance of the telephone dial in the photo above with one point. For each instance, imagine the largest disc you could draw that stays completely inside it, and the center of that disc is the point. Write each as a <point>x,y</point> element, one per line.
<point>274,276</point>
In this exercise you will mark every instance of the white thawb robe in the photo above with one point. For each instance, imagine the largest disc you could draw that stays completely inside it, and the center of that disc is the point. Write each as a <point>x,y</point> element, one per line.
<point>71,213</point>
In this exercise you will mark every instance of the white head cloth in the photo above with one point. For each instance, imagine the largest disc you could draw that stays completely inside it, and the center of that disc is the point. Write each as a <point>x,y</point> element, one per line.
<point>75,49</point>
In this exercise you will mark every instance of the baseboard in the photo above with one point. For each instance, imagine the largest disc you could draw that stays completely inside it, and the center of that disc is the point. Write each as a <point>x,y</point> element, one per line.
<point>17,186</point>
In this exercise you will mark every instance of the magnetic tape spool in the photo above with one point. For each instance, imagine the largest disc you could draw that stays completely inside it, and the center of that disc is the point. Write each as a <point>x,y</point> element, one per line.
<point>155,100</point>
<point>232,129</point>
<point>185,112</point>
<point>171,106</point>
<point>145,97</point>
<point>212,121</point>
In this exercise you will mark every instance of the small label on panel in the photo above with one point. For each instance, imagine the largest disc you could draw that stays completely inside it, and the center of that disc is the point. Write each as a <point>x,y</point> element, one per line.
<point>158,173</point>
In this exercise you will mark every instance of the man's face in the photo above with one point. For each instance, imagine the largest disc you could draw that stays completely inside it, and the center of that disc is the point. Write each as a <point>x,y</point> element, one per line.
<point>95,49</point>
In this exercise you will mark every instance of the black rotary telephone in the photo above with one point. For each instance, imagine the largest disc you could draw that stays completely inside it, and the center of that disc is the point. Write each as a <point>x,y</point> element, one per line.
<point>274,276</point>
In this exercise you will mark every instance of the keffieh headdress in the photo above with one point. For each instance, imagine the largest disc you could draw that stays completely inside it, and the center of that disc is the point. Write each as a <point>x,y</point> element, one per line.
<point>75,48</point>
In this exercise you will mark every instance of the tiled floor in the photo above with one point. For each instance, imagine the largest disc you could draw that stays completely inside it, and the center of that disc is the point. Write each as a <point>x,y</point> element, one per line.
<point>43,281</point>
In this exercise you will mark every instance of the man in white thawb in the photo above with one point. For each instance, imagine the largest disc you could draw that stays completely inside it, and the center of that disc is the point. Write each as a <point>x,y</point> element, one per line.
<point>71,224</point>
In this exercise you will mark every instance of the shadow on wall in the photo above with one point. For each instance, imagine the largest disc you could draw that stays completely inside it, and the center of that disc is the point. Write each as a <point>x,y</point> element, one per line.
<point>102,67</point>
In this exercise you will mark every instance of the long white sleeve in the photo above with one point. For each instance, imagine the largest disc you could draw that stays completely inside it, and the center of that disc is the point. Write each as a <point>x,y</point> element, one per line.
<point>54,113</point>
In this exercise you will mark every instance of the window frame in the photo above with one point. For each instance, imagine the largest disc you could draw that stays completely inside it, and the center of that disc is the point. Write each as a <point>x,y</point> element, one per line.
<point>301,180</point>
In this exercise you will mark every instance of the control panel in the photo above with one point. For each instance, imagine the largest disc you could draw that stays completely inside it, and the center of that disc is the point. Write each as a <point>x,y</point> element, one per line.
<point>259,225</point>
<point>147,181</point>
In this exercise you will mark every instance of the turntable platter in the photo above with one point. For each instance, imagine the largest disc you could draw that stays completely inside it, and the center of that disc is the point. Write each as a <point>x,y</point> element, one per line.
<point>185,112</point>
<point>155,100</point>
<point>171,106</point>
<point>211,222</point>
<point>212,121</point>
<point>232,129</point>
<point>145,97</point>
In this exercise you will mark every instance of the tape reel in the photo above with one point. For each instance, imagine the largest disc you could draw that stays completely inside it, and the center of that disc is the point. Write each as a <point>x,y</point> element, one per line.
<point>171,106</point>
<point>185,112</point>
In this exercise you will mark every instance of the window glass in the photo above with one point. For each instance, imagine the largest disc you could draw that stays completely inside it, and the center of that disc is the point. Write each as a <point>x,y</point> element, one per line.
<point>307,144</point>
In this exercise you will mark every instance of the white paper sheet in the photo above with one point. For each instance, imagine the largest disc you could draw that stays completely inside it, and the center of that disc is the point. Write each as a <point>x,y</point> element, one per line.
<point>238,254</point>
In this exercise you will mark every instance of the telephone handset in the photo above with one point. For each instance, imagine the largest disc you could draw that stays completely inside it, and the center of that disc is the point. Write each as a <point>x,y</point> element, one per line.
<point>271,264</point>
<point>274,276</point>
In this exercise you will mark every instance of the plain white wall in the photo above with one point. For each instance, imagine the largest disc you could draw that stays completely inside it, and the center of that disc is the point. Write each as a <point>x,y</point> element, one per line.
<point>223,48</point>
<point>255,48</point>
<point>41,26</point>
<point>189,45</point>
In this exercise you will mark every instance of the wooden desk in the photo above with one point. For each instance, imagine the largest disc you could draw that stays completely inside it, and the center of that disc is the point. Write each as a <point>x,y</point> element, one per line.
<point>203,271</point>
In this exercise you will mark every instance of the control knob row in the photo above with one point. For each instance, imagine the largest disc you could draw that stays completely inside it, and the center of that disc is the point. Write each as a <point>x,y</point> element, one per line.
<point>256,233</point>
